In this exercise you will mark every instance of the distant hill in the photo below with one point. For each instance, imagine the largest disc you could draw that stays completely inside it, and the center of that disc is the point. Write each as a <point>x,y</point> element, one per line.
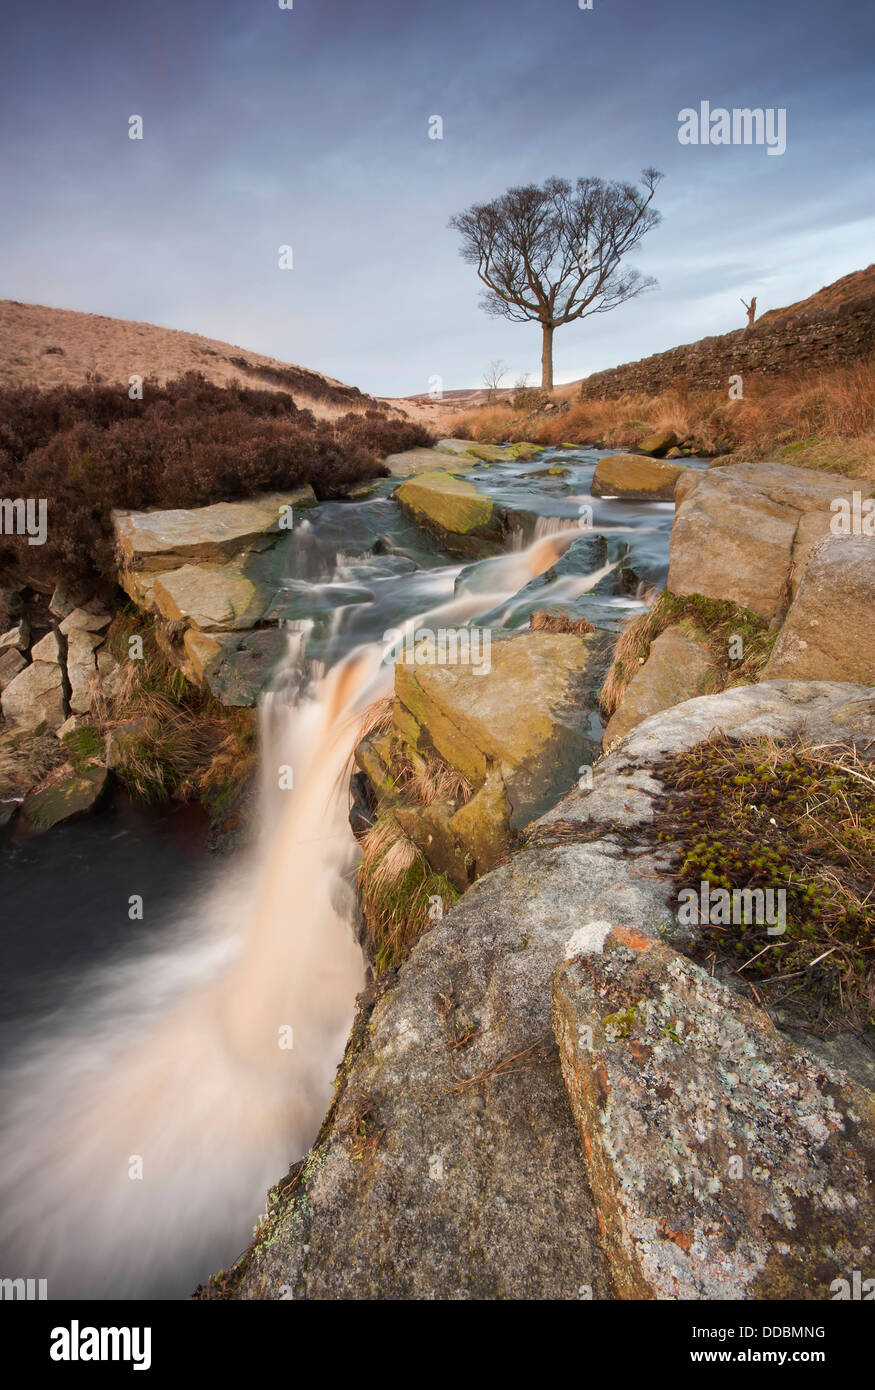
<point>57,347</point>
<point>834,327</point>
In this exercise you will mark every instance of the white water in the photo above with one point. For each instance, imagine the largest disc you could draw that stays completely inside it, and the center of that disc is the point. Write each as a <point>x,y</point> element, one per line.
<point>173,1058</point>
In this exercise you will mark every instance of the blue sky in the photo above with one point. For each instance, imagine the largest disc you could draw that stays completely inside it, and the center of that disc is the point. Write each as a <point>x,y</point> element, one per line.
<point>309,127</point>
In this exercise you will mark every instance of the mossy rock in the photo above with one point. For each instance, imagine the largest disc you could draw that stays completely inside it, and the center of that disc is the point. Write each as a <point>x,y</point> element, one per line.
<point>451,508</point>
<point>73,797</point>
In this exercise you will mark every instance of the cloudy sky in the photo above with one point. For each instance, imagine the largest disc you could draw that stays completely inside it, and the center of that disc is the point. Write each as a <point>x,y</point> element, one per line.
<point>309,127</point>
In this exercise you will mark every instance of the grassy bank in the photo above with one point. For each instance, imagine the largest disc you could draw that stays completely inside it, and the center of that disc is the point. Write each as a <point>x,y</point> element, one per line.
<point>817,419</point>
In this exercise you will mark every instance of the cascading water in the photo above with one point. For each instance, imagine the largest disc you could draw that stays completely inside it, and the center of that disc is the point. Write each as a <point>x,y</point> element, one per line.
<point>143,1129</point>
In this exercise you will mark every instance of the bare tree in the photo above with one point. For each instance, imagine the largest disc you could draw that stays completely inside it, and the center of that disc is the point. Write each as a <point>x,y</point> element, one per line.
<point>553,254</point>
<point>751,311</point>
<point>492,377</point>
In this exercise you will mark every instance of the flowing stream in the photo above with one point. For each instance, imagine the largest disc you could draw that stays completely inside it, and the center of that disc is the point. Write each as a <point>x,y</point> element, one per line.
<point>174,1079</point>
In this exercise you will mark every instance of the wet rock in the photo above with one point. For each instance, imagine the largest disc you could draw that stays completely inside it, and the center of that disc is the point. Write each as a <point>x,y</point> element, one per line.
<point>677,669</point>
<point>35,697</point>
<point>451,508</point>
<point>724,1162</point>
<point>635,478</point>
<point>73,797</point>
<point>244,665</point>
<point>828,632</point>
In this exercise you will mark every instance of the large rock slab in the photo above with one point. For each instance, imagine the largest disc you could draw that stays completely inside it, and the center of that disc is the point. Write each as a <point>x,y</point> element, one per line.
<point>532,718</point>
<point>212,597</point>
<point>828,633</point>
<point>725,1163</point>
<point>412,461</point>
<point>164,540</point>
<point>736,529</point>
<point>35,697</point>
<point>636,478</point>
<point>677,669</point>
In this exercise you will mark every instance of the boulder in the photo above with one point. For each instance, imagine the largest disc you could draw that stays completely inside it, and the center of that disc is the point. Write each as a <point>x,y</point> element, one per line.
<point>659,443</point>
<point>11,662</point>
<point>635,478</point>
<point>66,800</point>
<point>724,1162</point>
<point>828,633</point>
<point>736,529</point>
<point>81,668</point>
<point>48,648</point>
<point>164,540</point>
<point>212,597</point>
<point>462,518</point>
<point>677,668</point>
<point>66,597</point>
<point>536,741</point>
<point>36,696</point>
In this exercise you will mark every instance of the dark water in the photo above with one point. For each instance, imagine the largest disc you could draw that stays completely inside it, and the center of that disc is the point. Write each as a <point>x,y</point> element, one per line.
<point>64,897</point>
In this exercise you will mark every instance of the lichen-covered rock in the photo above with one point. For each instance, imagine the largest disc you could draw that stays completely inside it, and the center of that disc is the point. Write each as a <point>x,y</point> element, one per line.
<point>36,696</point>
<point>828,633</point>
<point>164,540</point>
<point>74,796</point>
<point>735,531</point>
<point>244,665</point>
<point>636,478</point>
<point>724,1162</point>
<point>677,669</point>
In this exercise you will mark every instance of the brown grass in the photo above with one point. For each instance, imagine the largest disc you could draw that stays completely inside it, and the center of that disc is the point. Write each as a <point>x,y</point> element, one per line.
<point>820,419</point>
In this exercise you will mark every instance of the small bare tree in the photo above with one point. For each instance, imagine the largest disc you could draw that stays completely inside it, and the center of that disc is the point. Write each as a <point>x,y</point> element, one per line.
<point>492,377</point>
<point>553,254</point>
<point>751,311</point>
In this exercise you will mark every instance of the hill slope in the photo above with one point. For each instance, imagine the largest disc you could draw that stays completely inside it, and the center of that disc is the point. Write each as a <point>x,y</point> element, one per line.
<point>46,347</point>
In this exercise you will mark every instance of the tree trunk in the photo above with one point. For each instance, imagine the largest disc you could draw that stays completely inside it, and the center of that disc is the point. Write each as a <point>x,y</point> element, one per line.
<point>547,358</point>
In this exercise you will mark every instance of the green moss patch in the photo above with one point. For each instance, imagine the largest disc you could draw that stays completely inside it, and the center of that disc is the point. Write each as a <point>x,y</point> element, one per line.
<point>795,818</point>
